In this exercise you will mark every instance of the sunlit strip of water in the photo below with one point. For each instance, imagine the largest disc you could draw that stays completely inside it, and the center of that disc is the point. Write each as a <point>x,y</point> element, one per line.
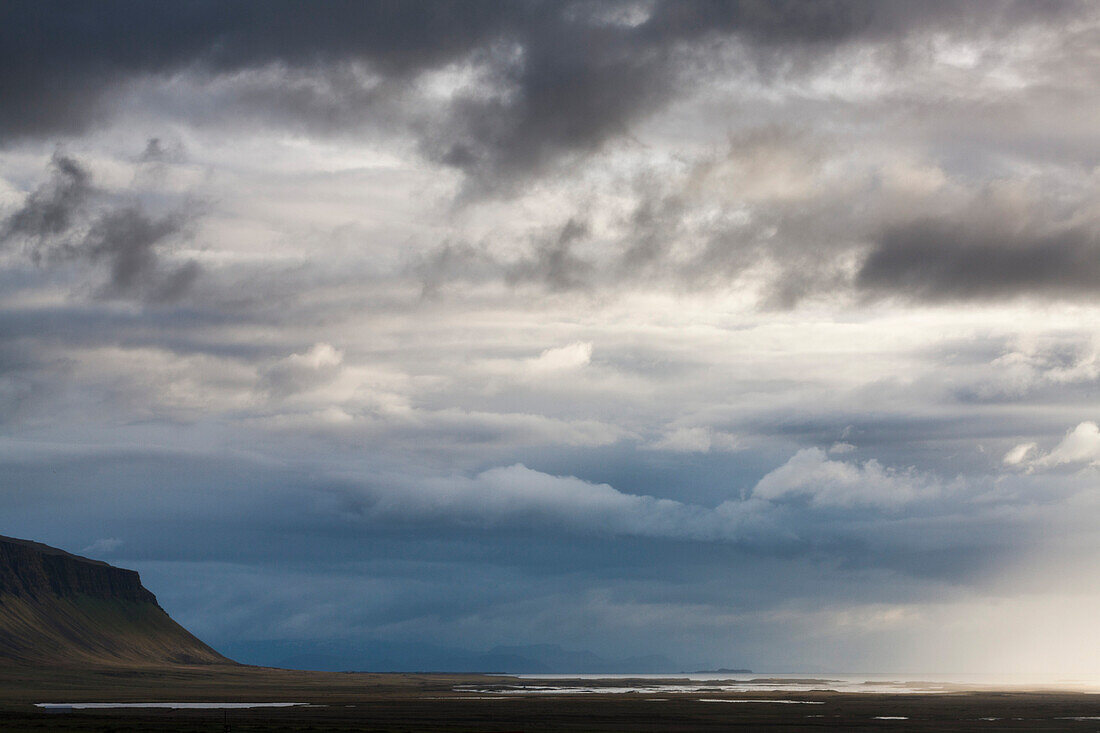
<point>818,686</point>
<point>760,700</point>
<point>906,683</point>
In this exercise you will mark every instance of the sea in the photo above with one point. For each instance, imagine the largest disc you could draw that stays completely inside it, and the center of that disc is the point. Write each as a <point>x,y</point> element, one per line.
<point>901,683</point>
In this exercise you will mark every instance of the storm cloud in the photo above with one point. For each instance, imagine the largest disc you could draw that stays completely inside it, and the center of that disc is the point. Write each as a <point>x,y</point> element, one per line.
<point>689,328</point>
<point>553,80</point>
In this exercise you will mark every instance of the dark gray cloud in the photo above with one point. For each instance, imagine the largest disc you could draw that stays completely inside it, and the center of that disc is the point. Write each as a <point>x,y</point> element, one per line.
<point>949,260</point>
<point>553,261</point>
<point>127,240</point>
<point>56,224</point>
<point>828,21</point>
<point>452,261</point>
<point>154,152</point>
<point>564,77</point>
<point>51,208</point>
<point>51,50</point>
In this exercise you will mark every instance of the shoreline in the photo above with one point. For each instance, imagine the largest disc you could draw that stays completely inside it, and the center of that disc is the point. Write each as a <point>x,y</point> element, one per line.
<point>352,702</point>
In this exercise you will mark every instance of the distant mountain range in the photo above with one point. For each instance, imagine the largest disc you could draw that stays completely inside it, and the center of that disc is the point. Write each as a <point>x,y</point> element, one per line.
<point>384,656</point>
<point>57,608</point>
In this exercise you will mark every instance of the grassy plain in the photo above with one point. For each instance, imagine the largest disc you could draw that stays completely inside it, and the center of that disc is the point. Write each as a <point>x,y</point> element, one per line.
<point>411,703</point>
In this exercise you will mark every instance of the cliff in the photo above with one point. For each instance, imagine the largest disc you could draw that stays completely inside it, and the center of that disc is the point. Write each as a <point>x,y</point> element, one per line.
<point>60,608</point>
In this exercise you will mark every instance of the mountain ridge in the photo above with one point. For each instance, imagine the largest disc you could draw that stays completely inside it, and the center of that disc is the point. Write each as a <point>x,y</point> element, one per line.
<point>58,608</point>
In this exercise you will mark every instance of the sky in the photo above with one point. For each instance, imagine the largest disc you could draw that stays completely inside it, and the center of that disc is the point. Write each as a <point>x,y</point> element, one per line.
<point>748,333</point>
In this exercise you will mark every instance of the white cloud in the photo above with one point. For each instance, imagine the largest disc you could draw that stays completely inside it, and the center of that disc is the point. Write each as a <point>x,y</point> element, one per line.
<point>572,356</point>
<point>1019,454</point>
<point>516,494</point>
<point>507,496</point>
<point>319,356</point>
<point>511,493</point>
<point>810,474</point>
<point>1080,445</point>
<point>1037,361</point>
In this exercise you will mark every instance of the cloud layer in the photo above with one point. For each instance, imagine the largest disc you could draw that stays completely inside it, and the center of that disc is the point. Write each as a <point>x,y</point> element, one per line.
<point>745,333</point>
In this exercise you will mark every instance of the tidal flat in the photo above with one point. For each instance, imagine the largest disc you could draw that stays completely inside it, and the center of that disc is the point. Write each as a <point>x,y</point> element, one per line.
<point>410,702</point>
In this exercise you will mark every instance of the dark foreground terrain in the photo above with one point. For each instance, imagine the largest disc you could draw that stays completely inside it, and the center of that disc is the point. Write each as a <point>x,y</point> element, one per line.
<point>362,702</point>
<point>73,630</point>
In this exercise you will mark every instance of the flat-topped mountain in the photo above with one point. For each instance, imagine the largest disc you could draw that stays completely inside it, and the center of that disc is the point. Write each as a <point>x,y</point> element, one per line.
<point>60,608</point>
